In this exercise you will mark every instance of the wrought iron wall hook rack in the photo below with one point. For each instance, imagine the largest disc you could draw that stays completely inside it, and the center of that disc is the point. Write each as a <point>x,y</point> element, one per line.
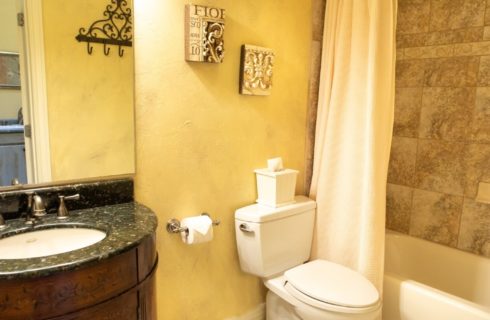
<point>115,29</point>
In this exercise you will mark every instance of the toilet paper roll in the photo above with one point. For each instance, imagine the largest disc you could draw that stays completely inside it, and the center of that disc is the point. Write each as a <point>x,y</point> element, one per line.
<point>200,229</point>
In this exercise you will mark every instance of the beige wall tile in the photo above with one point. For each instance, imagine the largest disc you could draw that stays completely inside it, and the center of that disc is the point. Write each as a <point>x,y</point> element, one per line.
<point>452,72</point>
<point>438,38</point>
<point>442,116</point>
<point>398,207</point>
<point>318,7</point>
<point>436,216</point>
<point>456,14</point>
<point>411,40</point>
<point>446,113</point>
<point>402,161</point>
<point>474,234</point>
<point>455,36</point>
<point>410,73</point>
<point>472,49</point>
<point>486,33</point>
<point>400,54</point>
<point>480,125</point>
<point>440,166</point>
<point>484,71</point>
<point>408,102</point>
<point>477,159</point>
<point>413,16</point>
<point>429,52</point>
<point>487,14</point>
<point>315,64</point>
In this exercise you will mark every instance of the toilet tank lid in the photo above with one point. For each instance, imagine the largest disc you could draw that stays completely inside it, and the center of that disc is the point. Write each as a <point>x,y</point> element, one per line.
<point>263,213</point>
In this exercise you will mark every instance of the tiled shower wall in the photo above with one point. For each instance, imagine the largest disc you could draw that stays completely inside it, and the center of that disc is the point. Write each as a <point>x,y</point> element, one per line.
<point>441,138</point>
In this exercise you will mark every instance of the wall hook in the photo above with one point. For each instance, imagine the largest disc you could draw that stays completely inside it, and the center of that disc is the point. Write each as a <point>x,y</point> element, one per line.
<point>107,32</point>
<point>90,49</point>
<point>107,49</point>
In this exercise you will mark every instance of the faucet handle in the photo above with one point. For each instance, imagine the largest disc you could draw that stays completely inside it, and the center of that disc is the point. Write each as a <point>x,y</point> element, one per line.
<point>62,210</point>
<point>3,225</point>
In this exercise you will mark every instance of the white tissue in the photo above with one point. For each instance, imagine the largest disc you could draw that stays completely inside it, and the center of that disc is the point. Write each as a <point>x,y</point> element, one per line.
<point>200,229</point>
<point>274,164</point>
<point>483,192</point>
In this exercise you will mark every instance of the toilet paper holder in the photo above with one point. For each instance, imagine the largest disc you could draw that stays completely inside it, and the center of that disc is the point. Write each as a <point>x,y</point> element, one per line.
<point>173,225</point>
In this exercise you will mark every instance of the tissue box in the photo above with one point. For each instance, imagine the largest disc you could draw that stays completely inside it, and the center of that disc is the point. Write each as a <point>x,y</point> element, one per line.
<point>276,189</point>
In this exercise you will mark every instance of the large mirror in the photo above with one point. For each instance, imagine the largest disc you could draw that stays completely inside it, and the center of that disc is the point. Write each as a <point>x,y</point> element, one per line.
<point>64,114</point>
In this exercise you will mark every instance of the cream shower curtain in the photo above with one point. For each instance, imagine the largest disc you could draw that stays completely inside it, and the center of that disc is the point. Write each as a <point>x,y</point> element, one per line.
<point>353,134</point>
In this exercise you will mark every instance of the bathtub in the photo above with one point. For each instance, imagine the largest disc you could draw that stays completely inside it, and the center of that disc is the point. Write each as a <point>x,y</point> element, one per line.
<point>427,281</point>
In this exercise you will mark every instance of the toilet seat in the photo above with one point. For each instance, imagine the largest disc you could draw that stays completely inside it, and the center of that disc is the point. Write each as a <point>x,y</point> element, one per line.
<point>327,285</point>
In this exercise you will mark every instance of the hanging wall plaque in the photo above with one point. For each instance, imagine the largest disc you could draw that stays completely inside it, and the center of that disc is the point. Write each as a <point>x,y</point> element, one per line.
<point>256,70</point>
<point>204,28</point>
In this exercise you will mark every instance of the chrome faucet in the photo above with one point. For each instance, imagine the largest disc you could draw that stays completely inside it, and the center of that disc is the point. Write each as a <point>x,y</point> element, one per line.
<point>35,208</point>
<point>38,208</point>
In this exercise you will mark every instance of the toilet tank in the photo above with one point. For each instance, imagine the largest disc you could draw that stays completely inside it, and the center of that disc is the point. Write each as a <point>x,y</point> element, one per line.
<point>272,240</point>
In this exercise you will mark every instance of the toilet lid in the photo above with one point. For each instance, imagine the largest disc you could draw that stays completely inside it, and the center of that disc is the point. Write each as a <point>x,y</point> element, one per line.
<point>332,283</point>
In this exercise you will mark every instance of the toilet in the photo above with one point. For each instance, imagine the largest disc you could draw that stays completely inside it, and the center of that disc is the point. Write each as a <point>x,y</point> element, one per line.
<point>274,244</point>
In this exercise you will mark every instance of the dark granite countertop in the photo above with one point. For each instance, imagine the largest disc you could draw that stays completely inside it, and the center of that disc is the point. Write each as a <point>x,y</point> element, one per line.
<point>127,225</point>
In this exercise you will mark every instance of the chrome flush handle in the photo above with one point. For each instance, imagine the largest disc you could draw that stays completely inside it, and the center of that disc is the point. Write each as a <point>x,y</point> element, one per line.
<point>245,228</point>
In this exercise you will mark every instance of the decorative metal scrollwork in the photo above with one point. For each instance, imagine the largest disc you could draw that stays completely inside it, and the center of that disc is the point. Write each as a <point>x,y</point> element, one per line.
<point>256,70</point>
<point>115,29</point>
<point>213,44</point>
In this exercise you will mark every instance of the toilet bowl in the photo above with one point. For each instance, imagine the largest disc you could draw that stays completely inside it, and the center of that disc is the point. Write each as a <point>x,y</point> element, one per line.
<point>275,243</point>
<point>332,295</point>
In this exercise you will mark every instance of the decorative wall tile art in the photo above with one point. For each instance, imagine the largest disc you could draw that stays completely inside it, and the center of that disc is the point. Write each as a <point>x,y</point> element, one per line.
<point>204,29</point>
<point>9,70</point>
<point>256,70</point>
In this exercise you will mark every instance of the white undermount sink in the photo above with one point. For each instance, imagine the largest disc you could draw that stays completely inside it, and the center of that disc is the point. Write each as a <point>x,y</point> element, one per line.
<point>48,242</point>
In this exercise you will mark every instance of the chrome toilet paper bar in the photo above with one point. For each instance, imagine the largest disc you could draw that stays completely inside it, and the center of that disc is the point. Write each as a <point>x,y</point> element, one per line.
<point>173,225</point>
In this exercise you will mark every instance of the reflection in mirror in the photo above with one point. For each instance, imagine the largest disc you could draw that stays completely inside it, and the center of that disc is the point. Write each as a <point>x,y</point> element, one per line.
<point>79,107</point>
<point>12,147</point>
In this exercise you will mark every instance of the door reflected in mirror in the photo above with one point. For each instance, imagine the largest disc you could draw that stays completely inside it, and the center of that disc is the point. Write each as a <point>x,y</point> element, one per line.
<point>77,107</point>
<point>12,146</point>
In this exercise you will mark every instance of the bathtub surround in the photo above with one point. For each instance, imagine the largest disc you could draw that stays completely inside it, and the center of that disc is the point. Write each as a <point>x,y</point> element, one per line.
<point>425,280</point>
<point>199,140</point>
<point>353,134</point>
<point>441,138</point>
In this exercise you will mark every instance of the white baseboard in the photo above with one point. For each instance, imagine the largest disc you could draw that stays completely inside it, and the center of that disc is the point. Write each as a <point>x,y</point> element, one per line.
<point>258,313</point>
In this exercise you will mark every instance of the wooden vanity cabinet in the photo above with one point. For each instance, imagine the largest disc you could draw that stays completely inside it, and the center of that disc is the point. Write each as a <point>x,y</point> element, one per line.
<point>120,287</point>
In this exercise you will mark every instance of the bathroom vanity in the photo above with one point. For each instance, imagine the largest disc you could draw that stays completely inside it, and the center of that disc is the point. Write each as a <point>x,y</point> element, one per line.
<point>111,279</point>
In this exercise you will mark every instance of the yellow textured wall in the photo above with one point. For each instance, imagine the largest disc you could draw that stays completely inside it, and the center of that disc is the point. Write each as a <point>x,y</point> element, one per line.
<point>198,141</point>
<point>10,99</point>
<point>90,97</point>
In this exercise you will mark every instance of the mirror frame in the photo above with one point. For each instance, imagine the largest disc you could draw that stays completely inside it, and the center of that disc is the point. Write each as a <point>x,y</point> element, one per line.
<point>34,96</point>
